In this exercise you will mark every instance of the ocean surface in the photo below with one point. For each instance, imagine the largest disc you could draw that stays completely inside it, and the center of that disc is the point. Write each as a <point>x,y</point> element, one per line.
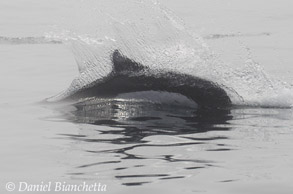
<point>142,147</point>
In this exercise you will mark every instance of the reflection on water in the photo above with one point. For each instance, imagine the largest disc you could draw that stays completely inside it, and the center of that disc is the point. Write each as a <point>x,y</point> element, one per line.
<point>140,142</point>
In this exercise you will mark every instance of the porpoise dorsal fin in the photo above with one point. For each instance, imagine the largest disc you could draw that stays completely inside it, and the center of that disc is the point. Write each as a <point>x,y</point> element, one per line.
<point>122,64</point>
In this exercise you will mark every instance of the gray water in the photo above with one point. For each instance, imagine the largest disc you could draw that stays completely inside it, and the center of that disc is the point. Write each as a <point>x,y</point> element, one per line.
<point>141,147</point>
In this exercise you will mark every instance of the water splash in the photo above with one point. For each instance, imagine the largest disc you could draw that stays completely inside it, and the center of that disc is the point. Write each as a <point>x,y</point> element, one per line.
<point>152,35</point>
